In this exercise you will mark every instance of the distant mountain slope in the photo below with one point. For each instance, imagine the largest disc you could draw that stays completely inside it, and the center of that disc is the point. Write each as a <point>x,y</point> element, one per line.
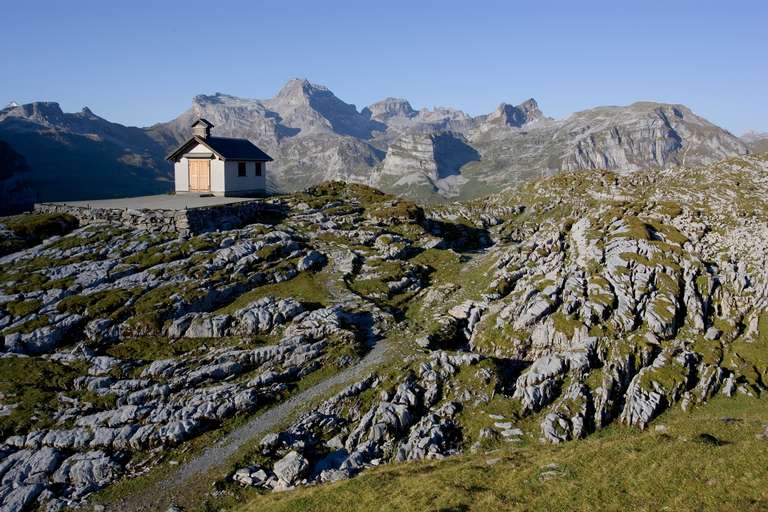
<point>756,142</point>
<point>81,155</point>
<point>315,136</point>
<point>429,155</point>
<point>627,138</point>
<point>15,193</point>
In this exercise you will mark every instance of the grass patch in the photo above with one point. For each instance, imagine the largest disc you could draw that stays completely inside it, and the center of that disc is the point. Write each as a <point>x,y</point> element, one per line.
<point>153,348</point>
<point>96,305</point>
<point>32,228</point>
<point>617,469</point>
<point>23,307</point>
<point>309,287</point>
<point>32,384</point>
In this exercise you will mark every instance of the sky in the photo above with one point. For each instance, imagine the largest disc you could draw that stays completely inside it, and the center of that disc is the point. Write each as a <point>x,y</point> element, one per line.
<point>140,62</point>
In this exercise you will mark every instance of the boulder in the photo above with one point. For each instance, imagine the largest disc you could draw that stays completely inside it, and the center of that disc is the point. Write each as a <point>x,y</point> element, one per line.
<point>312,260</point>
<point>291,468</point>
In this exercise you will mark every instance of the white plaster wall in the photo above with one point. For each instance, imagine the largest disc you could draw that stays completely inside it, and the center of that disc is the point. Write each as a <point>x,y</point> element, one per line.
<point>181,175</point>
<point>199,149</point>
<point>218,178</point>
<point>249,182</point>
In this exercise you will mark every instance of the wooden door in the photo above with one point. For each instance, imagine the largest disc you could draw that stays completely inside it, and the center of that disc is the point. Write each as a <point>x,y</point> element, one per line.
<point>199,175</point>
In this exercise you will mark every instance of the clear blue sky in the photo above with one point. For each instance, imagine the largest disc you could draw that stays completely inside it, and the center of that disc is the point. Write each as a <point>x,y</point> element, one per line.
<point>139,62</point>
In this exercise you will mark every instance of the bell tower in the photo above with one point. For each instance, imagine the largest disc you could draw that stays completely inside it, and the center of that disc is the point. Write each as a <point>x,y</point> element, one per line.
<point>202,128</point>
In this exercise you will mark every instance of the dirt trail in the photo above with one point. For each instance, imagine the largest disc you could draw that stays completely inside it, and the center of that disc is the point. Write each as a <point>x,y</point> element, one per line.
<point>176,488</point>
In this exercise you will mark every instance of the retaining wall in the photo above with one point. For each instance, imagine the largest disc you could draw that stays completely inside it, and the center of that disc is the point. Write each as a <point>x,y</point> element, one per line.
<point>193,220</point>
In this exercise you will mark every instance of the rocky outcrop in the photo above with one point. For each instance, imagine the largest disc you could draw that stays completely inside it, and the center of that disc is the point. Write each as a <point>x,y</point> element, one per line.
<point>512,116</point>
<point>430,161</point>
<point>546,313</point>
<point>407,422</point>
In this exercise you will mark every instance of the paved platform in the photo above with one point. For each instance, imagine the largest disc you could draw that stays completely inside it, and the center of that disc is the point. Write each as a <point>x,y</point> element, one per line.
<point>159,202</point>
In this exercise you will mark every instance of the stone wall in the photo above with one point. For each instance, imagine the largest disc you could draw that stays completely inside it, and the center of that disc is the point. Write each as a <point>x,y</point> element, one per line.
<point>193,220</point>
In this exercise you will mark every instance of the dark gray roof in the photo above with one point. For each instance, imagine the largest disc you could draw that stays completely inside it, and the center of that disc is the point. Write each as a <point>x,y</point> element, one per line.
<point>204,121</point>
<point>236,149</point>
<point>226,148</point>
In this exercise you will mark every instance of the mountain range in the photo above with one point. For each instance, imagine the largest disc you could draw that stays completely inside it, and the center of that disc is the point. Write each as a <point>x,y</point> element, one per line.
<point>429,155</point>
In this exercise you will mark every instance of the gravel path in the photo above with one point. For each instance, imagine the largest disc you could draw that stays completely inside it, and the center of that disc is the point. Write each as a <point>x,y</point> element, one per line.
<point>173,489</point>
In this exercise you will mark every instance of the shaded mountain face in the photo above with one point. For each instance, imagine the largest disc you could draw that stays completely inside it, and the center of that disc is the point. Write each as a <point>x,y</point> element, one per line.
<point>15,193</point>
<point>425,164</point>
<point>428,155</point>
<point>81,155</point>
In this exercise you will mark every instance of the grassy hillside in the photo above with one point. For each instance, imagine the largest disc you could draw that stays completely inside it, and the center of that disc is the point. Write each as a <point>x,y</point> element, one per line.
<point>712,458</point>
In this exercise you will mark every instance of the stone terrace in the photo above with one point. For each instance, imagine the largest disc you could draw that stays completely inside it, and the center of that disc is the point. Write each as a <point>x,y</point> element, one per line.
<point>183,213</point>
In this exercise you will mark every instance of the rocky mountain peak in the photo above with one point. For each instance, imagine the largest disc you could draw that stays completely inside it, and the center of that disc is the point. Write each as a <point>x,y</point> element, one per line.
<point>314,108</point>
<point>42,112</point>
<point>531,109</point>
<point>515,115</point>
<point>388,108</point>
<point>301,89</point>
<point>87,112</point>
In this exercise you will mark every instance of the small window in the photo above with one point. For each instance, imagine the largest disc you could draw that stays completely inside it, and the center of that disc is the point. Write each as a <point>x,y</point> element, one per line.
<point>241,169</point>
<point>258,168</point>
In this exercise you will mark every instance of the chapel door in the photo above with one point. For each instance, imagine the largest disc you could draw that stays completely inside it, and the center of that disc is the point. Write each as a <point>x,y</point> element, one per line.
<point>199,175</point>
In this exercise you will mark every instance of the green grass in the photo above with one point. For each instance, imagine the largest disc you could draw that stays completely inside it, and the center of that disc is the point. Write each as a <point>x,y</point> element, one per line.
<point>32,384</point>
<point>29,326</point>
<point>309,287</point>
<point>23,307</point>
<point>32,228</point>
<point>617,469</point>
<point>153,348</point>
<point>97,305</point>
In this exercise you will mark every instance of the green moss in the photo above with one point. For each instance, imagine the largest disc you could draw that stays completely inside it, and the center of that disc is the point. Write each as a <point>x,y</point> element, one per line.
<point>670,233</point>
<point>564,324</point>
<point>445,264</point>
<point>324,193</point>
<point>637,258</point>
<point>669,208</point>
<point>750,361</point>
<point>23,308</point>
<point>636,229</point>
<point>23,282</point>
<point>667,284</point>
<point>97,305</point>
<point>711,351</point>
<point>397,211</point>
<point>29,326</point>
<point>152,348</point>
<point>269,252</point>
<point>594,379</point>
<point>503,341</point>
<point>670,376</point>
<point>151,309</point>
<point>32,384</point>
<point>308,287</point>
<point>154,256</point>
<point>31,228</point>
<point>762,326</point>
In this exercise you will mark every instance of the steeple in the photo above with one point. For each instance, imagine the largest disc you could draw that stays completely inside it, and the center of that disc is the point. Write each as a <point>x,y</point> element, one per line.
<point>202,128</point>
